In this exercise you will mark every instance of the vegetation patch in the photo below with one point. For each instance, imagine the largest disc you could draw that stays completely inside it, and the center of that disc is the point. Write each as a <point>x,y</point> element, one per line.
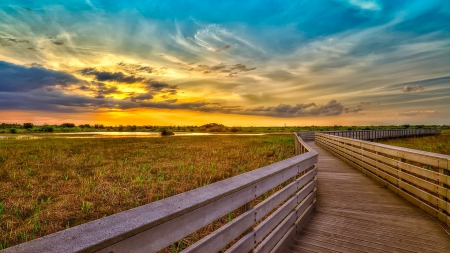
<point>48,185</point>
<point>435,143</point>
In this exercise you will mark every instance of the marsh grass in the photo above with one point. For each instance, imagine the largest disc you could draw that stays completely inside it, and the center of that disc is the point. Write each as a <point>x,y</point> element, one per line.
<point>436,143</point>
<point>48,185</point>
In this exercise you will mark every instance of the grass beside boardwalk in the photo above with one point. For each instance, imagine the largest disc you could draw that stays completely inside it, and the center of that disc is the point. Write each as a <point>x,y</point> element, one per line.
<point>436,144</point>
<point>48,185</point>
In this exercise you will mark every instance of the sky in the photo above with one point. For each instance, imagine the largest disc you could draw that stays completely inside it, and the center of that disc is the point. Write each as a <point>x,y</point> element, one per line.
<point>238,63</point>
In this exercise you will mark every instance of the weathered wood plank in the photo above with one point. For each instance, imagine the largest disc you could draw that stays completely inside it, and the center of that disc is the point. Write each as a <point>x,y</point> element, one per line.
<point>392,172</point>
<point>356,213</point>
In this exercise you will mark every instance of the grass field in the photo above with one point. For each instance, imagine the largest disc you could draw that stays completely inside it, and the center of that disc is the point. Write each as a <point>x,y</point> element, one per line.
<point>48,185</point>
<point>436,144</point>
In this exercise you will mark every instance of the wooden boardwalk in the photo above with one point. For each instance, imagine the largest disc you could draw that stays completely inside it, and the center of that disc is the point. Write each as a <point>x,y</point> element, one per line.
<point>356,214</point>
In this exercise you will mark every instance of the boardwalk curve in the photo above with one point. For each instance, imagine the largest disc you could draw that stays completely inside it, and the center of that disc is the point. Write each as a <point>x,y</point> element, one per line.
<point>356,214</point>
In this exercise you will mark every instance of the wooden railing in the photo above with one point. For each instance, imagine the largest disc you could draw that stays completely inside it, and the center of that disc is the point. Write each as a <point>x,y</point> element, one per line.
<point>267,225</point>
<point>420,177</point>
<point>373,134</point>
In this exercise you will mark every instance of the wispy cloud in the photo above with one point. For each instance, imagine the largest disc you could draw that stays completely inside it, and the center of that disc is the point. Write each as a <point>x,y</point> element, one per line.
<point>281,58</point>
<point>371,5</point>
<point>415,88</point>
<point>416,113</point>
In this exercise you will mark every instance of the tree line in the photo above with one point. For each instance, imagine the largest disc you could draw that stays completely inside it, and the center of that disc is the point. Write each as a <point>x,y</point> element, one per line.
<point>210,127</point>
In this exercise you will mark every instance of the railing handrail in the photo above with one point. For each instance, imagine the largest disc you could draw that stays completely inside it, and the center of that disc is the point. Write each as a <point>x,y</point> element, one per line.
<point>374,134</point>
<point>299,143</point>
<point>418,176</point>
<point>162,223</point>
<point>397,148</point>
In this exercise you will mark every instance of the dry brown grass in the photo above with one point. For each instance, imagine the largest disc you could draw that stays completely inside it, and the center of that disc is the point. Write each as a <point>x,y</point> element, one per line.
<point>51,184</point>
<point>436,144</point>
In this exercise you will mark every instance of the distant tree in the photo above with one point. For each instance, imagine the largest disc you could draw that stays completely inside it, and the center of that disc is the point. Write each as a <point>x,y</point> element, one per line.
<point>49,129</point>
<point>211,125</point>
<point>68,125</point>
<point>28,125</point>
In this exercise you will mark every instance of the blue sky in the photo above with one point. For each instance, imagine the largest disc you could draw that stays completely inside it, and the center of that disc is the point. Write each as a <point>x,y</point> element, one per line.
<point>323,62</point>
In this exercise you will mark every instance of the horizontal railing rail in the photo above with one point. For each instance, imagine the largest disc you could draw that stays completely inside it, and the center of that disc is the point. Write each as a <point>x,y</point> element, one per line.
<point>420,177</point>
<point>265,226</point>
<point>373,134</point>
<point>306,136</point>
<point>383,134</point>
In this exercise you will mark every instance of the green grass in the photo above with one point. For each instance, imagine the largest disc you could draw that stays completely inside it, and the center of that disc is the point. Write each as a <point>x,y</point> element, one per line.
<point>48,185</point>
<point>436,144</point>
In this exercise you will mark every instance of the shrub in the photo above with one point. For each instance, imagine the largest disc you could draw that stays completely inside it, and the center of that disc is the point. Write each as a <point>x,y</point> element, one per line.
<point>13,130</point>
<point>235,129</point>
<point>49,129</point>
<point>166,132</point>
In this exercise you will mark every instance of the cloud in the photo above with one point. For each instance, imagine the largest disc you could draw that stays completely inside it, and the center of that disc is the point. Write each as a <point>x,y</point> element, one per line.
<point>57,101</point>
<point>241,68</point>
<point>280,75</point>
<point>15,40</point>
<point>141,97</point>
<point>258,98</point>
<point>223,48</point>
<point>416,88</point>
<point>103,76</point>
<point>15,78</point>
<point>353,109</point>
<point>58,43</point>
<point>367,5</point>
<point>102,90</point>
<point>138,68</point>
<point>332,107</point>
<point>230,70</point>
<point>416,113</point>
<point>158,86</point>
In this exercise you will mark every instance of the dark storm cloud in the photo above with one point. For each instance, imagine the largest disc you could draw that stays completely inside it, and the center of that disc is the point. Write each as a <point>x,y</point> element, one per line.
<point>19,78</point>
<point>103,76</point>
